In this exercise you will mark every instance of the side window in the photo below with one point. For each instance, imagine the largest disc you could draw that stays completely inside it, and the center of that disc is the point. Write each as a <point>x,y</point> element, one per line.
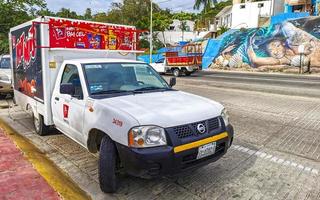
<point>71,75</point>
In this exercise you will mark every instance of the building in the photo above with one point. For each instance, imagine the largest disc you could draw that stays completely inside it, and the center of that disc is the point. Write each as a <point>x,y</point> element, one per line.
<point>310,6</point>
<point>253,14</point>
<point>175,35</point>
<point>224,17</point>
<point>176,25</point>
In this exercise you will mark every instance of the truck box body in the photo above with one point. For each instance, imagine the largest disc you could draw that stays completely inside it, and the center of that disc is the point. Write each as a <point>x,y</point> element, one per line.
<point>39,47</point>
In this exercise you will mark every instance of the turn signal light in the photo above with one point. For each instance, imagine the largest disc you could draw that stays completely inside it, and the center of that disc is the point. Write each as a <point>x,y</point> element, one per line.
<point>130,139</point>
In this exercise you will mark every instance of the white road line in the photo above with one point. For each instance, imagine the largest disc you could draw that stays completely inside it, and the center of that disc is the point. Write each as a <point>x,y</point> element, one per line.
<point>276,160</point>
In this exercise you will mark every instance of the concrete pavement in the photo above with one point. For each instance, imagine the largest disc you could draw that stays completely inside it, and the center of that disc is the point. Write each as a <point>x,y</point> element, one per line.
<point>275,156</point>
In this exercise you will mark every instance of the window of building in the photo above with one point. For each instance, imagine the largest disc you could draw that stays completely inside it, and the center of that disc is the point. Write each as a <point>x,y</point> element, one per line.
<point>242,6</point>
<point>171,28</point>
<point>260,5</point>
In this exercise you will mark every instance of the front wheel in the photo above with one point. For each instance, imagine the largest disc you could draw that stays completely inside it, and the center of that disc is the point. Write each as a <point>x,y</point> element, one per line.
<point>176,72</point>
<point>108,165</point>
<point>39,126</point>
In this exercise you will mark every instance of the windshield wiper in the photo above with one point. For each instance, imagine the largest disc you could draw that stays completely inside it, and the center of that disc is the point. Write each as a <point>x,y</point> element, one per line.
<point>110,92</point>
<point>150,88</point>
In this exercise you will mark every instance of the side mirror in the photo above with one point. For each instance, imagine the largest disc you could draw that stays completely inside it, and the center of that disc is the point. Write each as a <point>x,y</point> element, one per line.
<point>67,88</point>
<point>173,82</point>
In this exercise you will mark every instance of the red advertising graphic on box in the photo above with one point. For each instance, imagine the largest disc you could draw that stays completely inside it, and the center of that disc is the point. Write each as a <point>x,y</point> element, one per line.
<point>88,35</point>
<point>27,61</point>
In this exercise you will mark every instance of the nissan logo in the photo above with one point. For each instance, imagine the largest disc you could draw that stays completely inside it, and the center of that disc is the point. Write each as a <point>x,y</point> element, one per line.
<point>201,128</point>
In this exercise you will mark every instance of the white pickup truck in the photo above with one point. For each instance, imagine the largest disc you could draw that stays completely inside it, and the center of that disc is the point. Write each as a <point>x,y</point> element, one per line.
<point>122,109</point>
<point>5,76</point>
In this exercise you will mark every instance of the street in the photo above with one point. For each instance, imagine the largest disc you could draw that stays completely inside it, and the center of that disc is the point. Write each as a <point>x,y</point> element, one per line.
<point>275,154</point>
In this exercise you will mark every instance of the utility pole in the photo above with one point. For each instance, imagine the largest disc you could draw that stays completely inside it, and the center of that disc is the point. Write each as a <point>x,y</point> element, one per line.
<point>151,46</point>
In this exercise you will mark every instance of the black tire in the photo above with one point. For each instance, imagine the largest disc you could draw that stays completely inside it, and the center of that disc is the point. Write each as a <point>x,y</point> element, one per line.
<point>108,166</point>
<point>39,126</point>
<point>187,73</point>
<point>176,72</point>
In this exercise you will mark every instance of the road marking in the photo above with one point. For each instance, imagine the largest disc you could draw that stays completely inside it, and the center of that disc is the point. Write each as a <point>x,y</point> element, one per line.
<point>274,159</point>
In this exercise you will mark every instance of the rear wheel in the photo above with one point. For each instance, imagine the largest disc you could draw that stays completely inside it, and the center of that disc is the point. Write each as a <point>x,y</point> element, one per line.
<point>108,166</point>
<point>176,72</point>
<point>39,126</point>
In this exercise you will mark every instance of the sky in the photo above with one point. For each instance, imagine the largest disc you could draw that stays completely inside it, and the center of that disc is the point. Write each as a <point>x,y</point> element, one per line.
<point>103,5</point>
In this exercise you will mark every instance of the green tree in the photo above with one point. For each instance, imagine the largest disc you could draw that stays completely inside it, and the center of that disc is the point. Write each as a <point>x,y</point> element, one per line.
<point>222,30</point>
<point>67,13</point>
<point>183,17</point>
<point>13,13</point>
<point>161,22</point>
<point>44,12</point>
<point>207,15</point>
<point>88,14</point>
<point>205,3</point>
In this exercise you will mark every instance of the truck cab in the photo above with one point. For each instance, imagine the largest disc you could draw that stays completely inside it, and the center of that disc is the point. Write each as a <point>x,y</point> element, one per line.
<point>136,120</point>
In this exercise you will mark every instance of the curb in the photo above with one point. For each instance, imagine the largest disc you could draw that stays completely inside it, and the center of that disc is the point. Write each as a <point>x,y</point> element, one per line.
<point>54,176</point>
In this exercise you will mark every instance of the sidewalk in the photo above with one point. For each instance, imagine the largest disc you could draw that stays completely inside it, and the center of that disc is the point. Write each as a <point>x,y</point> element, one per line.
<point>18,178</point>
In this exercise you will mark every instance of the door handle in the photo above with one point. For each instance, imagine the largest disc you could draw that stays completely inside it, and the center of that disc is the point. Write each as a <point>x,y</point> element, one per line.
<point>57,98</point>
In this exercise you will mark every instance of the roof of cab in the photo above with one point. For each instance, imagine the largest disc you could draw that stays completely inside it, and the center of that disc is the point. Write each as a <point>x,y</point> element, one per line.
<point>101,60</point>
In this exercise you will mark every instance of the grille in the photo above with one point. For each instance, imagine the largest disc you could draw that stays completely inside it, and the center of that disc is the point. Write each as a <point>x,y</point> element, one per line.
<point>213,124</point>
<point>189,130</point>
<point>183,131</point>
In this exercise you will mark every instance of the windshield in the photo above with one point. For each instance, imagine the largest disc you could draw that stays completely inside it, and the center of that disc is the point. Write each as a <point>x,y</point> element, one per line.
<point>108,78</point>
<point>5,63</point>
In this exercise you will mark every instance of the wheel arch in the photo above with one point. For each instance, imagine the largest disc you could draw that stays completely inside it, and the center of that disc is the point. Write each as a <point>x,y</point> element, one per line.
<point>94,139</point>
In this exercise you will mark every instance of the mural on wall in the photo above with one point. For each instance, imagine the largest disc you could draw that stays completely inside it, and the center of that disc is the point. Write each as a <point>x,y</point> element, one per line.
<point>279,46</point>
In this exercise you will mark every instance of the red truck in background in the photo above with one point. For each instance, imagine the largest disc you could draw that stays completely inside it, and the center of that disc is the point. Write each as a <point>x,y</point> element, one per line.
<point>186,61</point>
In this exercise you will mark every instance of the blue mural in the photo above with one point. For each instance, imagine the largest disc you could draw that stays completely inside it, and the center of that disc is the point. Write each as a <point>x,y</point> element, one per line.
<point>278,45</point>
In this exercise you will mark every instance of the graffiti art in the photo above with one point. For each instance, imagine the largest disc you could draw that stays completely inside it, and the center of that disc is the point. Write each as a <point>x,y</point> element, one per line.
<point>292,43</point>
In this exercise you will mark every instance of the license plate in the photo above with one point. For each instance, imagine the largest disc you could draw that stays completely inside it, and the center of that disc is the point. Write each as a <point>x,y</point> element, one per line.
<point>206,150</point>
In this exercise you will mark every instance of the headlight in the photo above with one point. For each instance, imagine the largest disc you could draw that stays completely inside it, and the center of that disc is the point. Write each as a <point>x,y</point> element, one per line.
<point>147,136</point>
<point>225,116</point>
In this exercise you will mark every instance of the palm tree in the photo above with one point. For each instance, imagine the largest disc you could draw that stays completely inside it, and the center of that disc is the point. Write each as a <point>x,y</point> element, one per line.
<point>206,3</point>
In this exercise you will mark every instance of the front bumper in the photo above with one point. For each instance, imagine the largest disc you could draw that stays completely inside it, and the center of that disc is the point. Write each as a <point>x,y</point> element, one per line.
<point>5,87</point>
<point>160,161</point>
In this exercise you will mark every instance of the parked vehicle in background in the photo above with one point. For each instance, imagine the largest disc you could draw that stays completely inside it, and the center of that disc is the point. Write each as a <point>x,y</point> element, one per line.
<point>5,76</point>
<point>113,104</point>
<point>184,62</point>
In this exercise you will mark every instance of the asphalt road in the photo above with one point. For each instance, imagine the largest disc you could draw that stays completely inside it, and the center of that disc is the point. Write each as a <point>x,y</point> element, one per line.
<point>297,85</point>
<point>276,152</point>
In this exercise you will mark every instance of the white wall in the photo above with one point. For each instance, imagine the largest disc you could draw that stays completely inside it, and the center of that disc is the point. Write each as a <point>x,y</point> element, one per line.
<point>225,19</point>
<point>173,37</point>
<point>248,17</point>
<point>176,25</point>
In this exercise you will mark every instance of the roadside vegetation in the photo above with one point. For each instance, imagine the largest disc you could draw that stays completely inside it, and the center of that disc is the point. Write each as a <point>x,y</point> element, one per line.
<point>130,12</point>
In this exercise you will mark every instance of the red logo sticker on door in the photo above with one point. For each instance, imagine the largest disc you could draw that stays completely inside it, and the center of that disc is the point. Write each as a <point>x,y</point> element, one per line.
<point>65,110</point>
